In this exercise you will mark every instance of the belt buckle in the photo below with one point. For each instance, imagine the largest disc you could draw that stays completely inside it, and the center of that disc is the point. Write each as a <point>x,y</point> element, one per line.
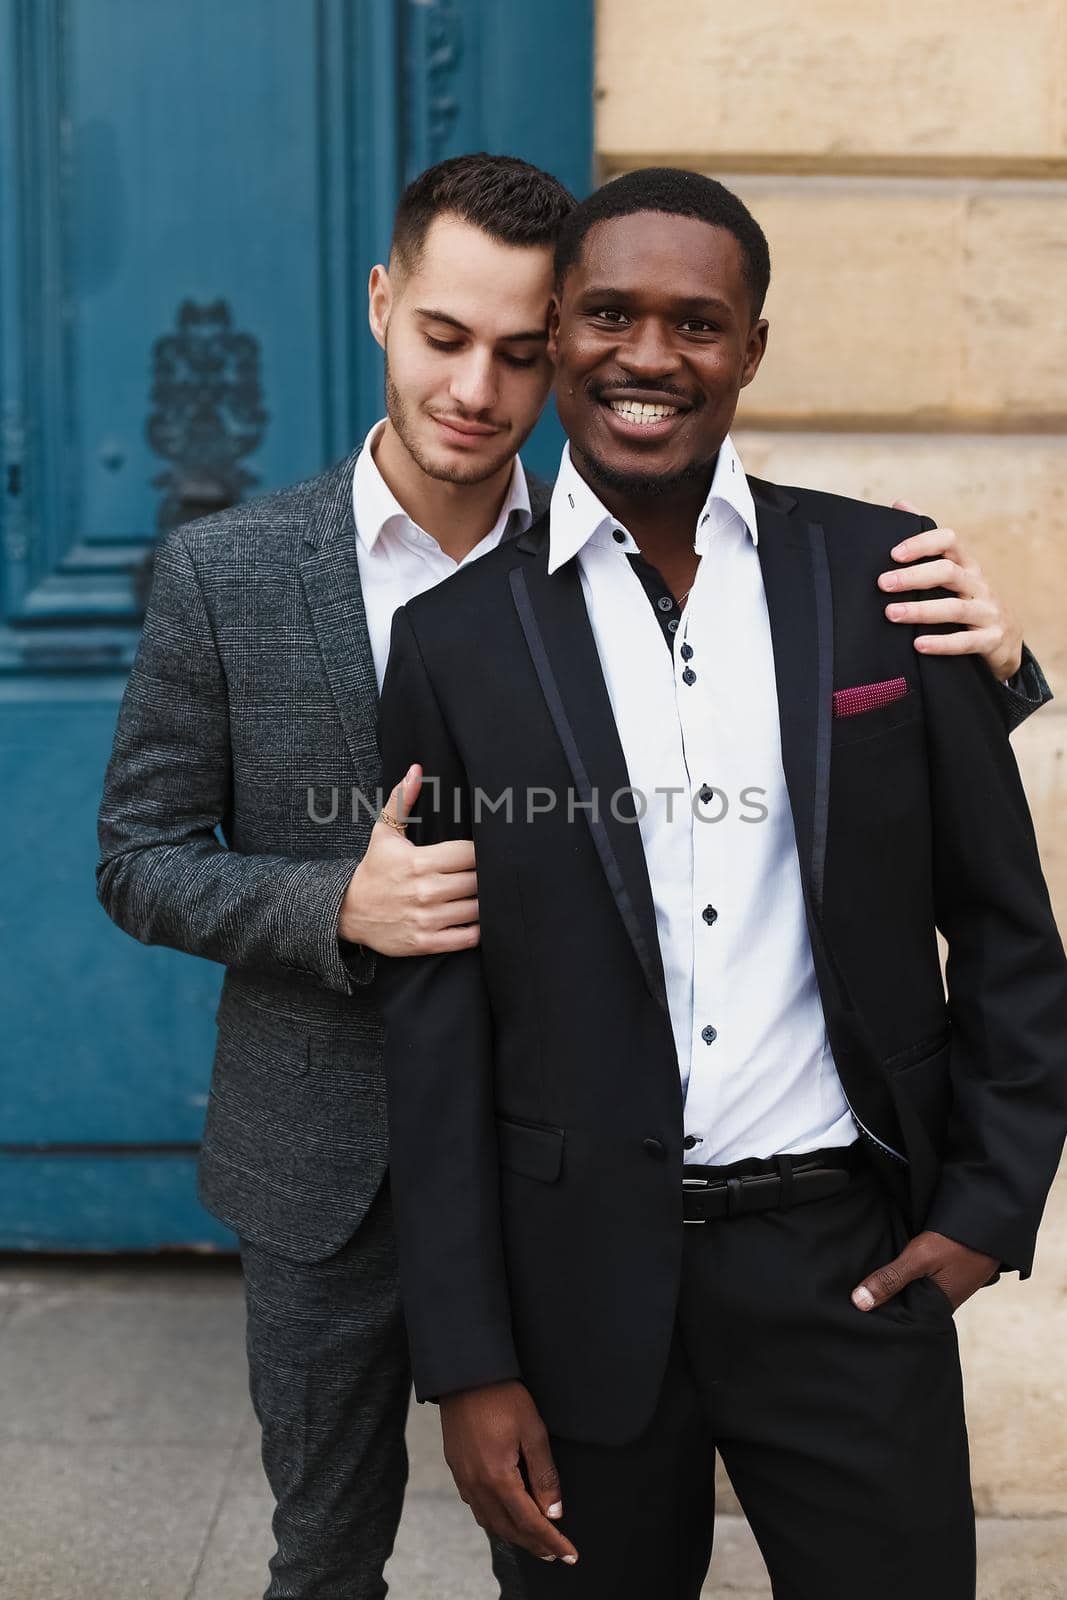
<point>695,1183</point>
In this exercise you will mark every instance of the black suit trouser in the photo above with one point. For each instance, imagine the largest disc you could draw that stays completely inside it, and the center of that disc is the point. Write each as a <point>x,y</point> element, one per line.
<point>330,1384</point>
<point>842,1431</point>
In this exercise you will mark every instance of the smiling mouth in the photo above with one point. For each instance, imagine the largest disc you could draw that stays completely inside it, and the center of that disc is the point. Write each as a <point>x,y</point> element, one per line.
<point>469,432</point>
<point>463,426</point>
<point>642,411</point>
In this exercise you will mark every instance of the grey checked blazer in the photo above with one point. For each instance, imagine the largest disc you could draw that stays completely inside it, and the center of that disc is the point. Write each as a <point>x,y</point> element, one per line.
<point>253,684</point>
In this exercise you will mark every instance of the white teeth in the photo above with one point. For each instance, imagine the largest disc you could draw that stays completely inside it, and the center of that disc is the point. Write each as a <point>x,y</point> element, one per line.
<point>640,411</point>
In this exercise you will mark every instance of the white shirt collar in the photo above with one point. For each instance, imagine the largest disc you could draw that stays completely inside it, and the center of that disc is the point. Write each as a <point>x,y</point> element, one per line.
<point>729,487</point>
<point>578,517</point>
<point>376,507</point>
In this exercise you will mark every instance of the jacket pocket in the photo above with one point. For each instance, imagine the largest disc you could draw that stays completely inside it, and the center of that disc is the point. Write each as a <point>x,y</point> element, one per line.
<point>249,1037</point>
<point>862,725</point>
<point>918,1052</point>
<point>921,1086</point>
<point>530,1148</point>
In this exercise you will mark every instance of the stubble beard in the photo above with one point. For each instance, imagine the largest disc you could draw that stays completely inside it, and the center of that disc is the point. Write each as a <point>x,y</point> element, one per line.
<point>645,486</point>
<point>400,419</point>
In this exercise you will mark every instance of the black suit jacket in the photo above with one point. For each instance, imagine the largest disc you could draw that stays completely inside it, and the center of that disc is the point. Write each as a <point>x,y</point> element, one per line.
<point>534,1098</point>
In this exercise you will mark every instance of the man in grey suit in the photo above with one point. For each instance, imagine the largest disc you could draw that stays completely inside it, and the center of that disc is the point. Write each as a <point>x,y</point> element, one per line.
<point>238,824</point>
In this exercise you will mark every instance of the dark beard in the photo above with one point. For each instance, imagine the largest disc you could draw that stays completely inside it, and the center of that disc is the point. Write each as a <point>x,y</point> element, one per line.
<point>640,486</point>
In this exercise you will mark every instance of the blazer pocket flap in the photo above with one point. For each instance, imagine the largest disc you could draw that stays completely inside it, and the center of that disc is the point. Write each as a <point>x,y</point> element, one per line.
<point>261,1038</point>
<point>530,1148</point>
<point>919,1054</point>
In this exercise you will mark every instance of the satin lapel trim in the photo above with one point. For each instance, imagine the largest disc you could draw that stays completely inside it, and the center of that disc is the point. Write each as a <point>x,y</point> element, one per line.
<point>796,580</point>
<point>330,575</point>
<point>824,623</point>
<point>559,636</point>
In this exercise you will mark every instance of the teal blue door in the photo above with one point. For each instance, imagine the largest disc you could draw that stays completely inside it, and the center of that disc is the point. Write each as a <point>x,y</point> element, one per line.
<point>190,197</point>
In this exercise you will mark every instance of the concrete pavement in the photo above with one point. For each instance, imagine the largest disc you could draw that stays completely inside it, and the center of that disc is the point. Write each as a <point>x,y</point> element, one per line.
<point>130,1467</point>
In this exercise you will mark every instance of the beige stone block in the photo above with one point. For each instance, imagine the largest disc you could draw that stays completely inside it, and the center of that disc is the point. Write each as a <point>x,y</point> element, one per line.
<point>865,309</point>
<point>1041,750</point>
<point>1013,294</point>
<point>923,82</point>
<point>1013,1344</point>
<point>1022,1558</point>
<point>737,1570</point>
<point>1005,495</point>
<point>911,303</point>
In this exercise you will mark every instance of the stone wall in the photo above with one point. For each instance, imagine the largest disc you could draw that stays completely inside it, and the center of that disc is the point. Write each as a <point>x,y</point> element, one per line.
<point>909,166</point>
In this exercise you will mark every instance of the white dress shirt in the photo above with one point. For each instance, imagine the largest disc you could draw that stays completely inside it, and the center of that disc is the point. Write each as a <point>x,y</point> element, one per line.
<point>398,559</point>
<point>758,1076</point>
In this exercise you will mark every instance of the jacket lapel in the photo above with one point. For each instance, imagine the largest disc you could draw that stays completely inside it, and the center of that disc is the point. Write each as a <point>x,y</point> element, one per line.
<point>540,492</point>
<point>796,580</point>
<point>559,636</point>
<point>329,571</point>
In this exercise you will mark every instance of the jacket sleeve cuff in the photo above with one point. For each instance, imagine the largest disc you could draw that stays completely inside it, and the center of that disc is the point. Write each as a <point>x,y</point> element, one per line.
<point>359,962</point>
<point>436,1383</point>
<point>1026,693</point>
<point>309,943</point>
<point>987,1235</point>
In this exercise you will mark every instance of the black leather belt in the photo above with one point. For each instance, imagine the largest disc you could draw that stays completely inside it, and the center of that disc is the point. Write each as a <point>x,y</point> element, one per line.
<point>775,1184</point>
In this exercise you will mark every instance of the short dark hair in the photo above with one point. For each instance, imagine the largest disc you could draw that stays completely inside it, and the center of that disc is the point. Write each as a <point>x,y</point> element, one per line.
<point>678,193</point>
<point>508,199</point>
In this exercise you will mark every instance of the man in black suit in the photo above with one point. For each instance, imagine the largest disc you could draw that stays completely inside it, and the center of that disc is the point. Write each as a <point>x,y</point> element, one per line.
<point>694,1152</point>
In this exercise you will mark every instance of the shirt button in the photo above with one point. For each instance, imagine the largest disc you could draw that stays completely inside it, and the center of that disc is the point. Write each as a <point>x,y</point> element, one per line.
<point>672,626</point>
<point>655,1148</point>
<point>691,1141</point>
<point>618,535</point>
<point>706,794</point>
<point>665,603</point>
<point>689,676</point>
<point>710,915</point>
<point>686,652</point>
<point>709,1034</point>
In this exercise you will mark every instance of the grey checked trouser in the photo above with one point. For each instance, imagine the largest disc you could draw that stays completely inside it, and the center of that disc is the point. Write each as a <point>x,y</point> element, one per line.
<point>330,1383</point>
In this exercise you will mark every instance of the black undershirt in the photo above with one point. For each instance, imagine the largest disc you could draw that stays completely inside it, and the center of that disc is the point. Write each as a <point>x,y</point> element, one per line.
<point>666,608</point>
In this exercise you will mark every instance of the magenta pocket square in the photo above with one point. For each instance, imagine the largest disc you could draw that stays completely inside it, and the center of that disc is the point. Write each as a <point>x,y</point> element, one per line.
<point>868,696</point>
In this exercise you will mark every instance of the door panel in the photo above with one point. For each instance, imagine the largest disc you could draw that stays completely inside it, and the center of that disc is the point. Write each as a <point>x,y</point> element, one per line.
<point>209,191</point>
<point>191,195</point>
<point>111,1037</point>
<point>175,182</point>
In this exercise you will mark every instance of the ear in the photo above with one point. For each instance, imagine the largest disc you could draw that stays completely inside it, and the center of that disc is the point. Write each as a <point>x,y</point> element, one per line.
<point>754,350</point>
<point>553,328</point>
<point>379,302</point>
